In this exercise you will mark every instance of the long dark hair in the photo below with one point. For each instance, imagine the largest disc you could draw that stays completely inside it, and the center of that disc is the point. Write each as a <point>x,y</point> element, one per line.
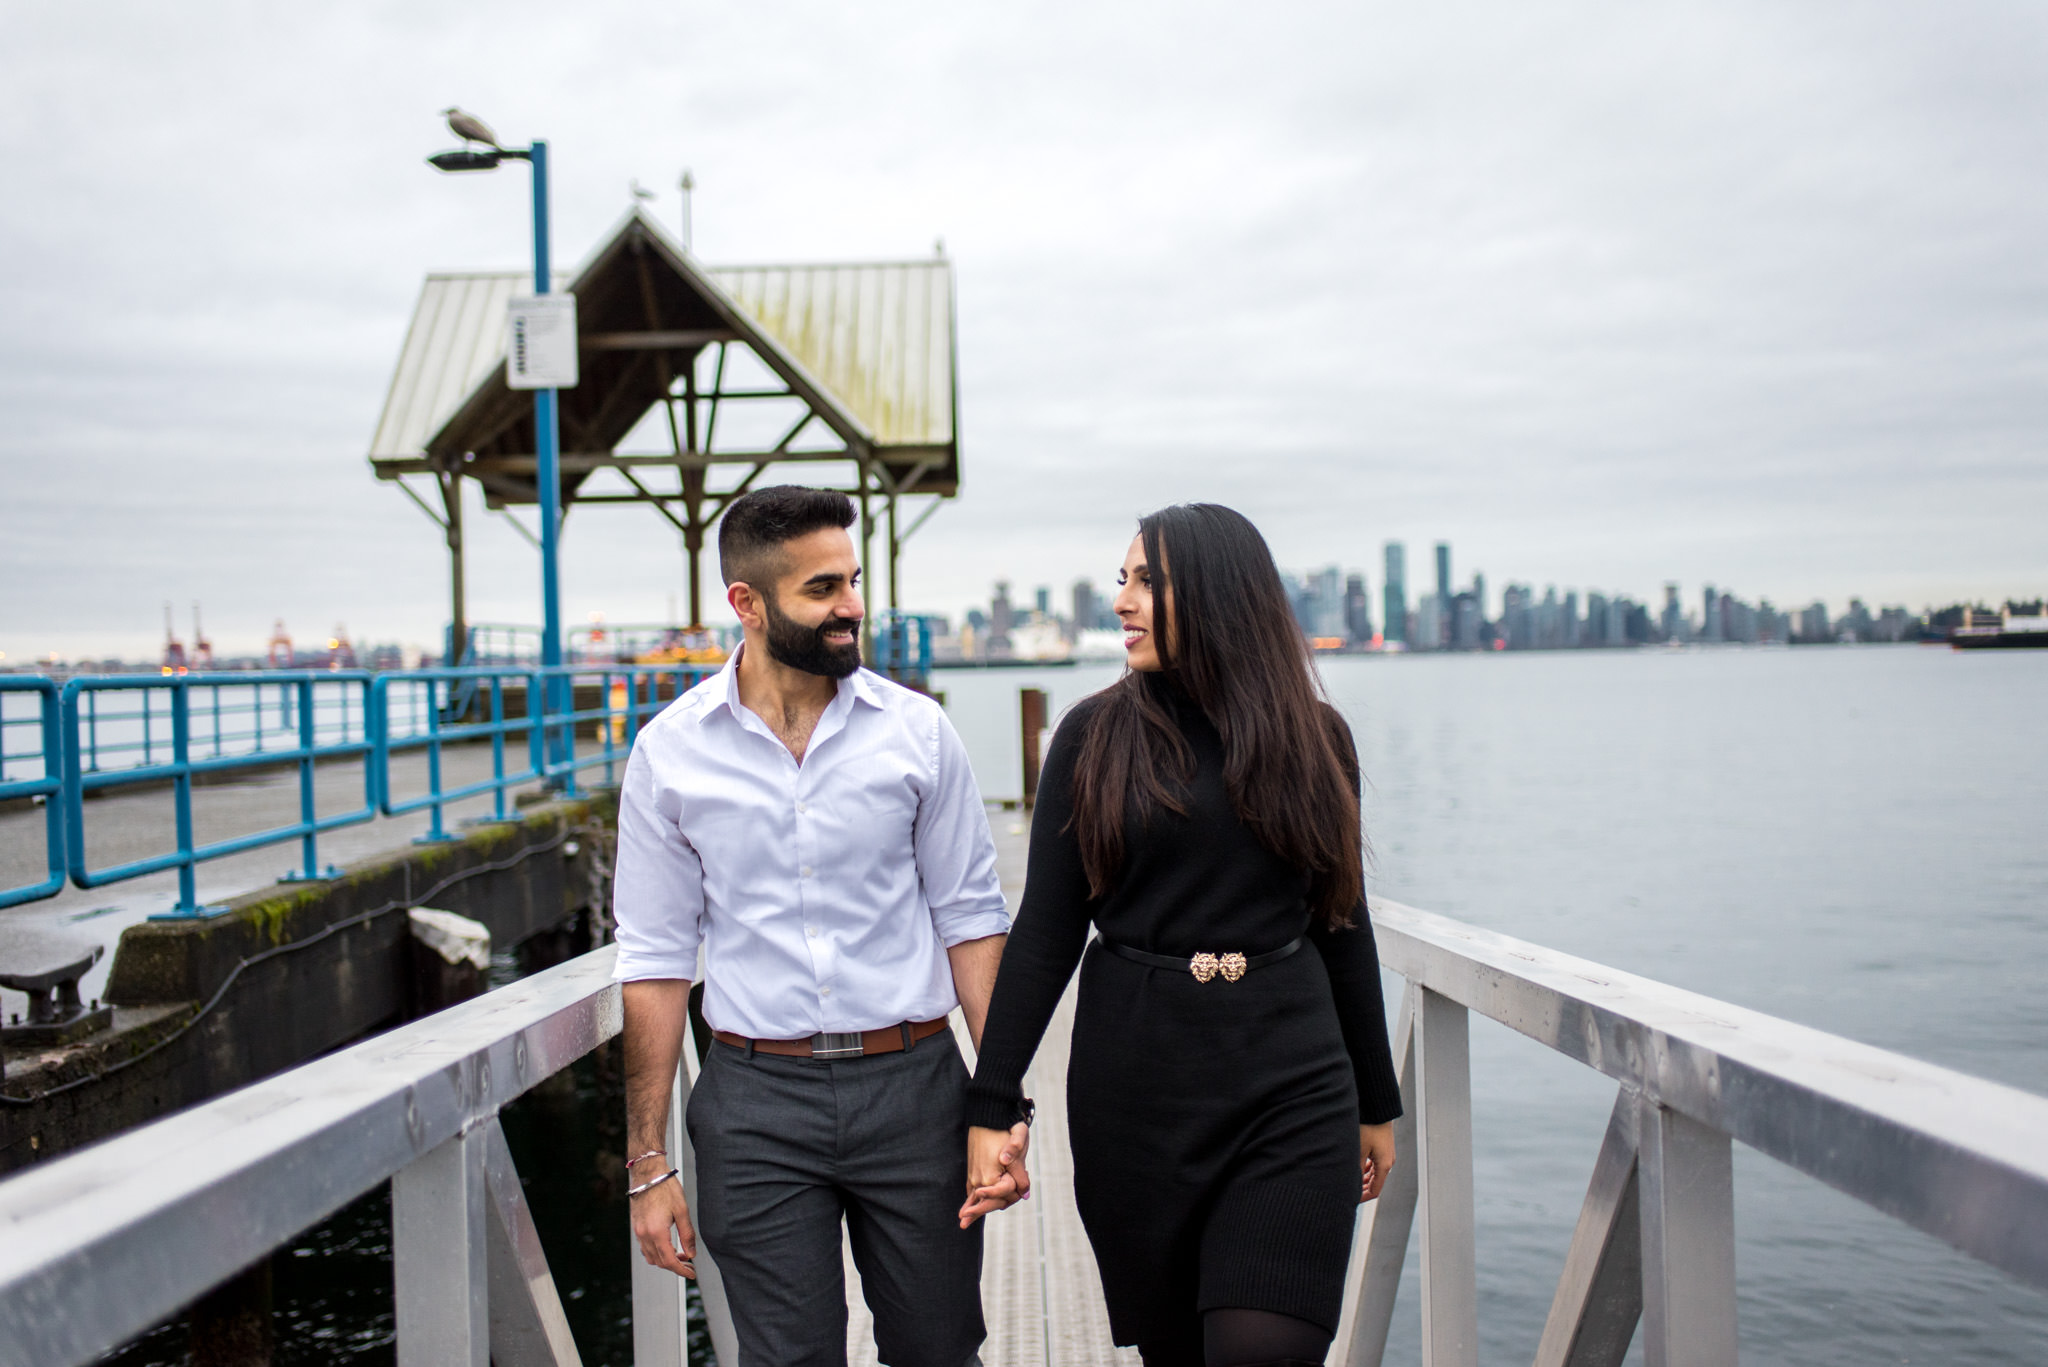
<point>1231,645</point>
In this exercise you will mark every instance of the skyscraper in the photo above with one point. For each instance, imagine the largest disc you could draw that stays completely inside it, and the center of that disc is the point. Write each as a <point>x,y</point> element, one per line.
<point>1357,611</point>
<point>1087,607</point>
<point>999,622</point>
<point>1395,616</point>
<point>1445,616</point>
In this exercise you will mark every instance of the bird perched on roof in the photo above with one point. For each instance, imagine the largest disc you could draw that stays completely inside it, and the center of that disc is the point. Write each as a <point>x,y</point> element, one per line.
<point>469,127</point>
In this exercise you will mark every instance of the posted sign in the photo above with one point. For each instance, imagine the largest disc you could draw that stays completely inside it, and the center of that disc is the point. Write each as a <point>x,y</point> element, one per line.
<point>540,350</point>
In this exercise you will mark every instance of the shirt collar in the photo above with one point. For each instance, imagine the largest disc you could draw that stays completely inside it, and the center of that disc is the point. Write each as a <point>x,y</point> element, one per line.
<point>723,688</point>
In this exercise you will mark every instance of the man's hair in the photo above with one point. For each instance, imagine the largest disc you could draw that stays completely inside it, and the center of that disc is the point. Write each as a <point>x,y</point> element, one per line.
<point>752,532</point>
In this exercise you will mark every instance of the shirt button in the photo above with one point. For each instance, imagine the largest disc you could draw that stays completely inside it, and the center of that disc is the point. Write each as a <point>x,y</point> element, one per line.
<point>807,870</point>
<point>824,991</point>
<point>811,931</point>
<point>803,807</point>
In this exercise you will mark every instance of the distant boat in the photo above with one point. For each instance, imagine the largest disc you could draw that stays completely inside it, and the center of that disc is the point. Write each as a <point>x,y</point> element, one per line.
<point>2014,633</point>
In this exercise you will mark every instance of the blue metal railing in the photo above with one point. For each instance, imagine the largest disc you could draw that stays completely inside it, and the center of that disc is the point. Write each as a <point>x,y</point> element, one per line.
<point>627,697</point>
<point>45,753</point>
<point>330,712</point>
<point>100,734</point>
<point>426,709</point>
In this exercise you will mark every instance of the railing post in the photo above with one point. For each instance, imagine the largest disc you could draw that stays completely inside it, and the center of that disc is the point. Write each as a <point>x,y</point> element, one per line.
<point>439,1266</point>
<point>1380,1243</point>
<point>1688,1203</point>
<point>309,843</point>
<point>181,795</point>
<point>1450,1294</point>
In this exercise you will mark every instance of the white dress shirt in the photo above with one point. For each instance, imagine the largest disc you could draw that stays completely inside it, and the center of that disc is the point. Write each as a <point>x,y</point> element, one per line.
<point>824,895</point>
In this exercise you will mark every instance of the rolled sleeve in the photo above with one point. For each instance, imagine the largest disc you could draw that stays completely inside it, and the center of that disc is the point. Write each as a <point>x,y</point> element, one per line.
<point>657,883</point>
<point>955,850</point>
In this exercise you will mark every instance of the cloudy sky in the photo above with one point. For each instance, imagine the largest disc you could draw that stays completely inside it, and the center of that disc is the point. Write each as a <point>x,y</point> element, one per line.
<point>1604,294</point>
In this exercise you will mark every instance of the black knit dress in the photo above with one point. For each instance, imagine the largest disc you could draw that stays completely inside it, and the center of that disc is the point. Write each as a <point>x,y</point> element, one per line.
<point>1214,1125</point>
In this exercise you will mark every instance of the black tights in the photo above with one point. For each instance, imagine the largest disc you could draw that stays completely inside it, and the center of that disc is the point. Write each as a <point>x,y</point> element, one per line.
<point>1234,1337</point>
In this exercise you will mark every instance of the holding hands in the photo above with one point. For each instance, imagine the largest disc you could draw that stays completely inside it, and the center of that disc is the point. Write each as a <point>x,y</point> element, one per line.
<point>996,1177</point>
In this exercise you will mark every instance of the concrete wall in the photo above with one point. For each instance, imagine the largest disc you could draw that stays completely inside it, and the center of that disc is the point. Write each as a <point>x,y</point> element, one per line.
<point>285,974</point>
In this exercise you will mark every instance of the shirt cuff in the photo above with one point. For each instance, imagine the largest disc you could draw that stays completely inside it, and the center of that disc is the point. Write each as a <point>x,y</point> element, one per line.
<point>958,927</point>
<point>636,965</point>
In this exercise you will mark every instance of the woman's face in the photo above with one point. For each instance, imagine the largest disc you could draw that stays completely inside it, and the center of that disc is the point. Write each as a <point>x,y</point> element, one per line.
<point>1134,601</point>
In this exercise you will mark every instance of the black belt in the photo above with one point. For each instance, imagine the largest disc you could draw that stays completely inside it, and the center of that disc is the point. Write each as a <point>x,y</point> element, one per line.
<point>1204,966</point>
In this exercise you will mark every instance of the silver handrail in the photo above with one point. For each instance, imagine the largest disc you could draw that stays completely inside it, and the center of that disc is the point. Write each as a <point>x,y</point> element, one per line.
<point>172,1209</point>
<point>99,1246</point>
<point>1955,1156</point>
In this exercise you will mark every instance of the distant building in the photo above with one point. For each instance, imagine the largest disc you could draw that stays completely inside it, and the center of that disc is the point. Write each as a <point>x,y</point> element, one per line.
<point>1357,611</point>
<point>1443,592</point>
<point>1326,605</point>
<point>1086,606</point>
<point>1518,617</point>
<point>1044,598</point>
<point>1467,625</point>
<point>1001,618</point>
<point>1426,628</point>
<point>1711,627</point>
<point>1674,615</point>
<point>1856,624</point>
<point>1395,610</point>
<point>1813,623</point>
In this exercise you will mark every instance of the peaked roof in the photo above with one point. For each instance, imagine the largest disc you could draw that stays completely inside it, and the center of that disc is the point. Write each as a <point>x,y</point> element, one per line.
<point>869,345</point>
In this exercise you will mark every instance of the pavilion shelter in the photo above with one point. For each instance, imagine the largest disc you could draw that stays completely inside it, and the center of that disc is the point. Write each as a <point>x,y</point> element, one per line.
<point>849,368</point>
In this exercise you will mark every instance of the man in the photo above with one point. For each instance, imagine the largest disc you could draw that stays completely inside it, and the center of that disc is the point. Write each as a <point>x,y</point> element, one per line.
<point>817,831</point>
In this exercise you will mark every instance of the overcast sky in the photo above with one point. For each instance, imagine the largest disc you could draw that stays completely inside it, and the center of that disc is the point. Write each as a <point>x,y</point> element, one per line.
<point>1603,294</point>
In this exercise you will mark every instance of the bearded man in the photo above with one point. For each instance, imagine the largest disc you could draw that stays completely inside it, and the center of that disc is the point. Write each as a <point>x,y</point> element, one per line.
<point>816,830</point>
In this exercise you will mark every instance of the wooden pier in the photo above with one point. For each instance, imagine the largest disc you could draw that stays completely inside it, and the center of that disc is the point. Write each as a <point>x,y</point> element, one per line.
<point>1039,1287</point>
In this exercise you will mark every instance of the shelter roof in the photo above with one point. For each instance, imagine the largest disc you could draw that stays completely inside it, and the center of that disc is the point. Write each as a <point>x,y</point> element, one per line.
<point>871,346</point>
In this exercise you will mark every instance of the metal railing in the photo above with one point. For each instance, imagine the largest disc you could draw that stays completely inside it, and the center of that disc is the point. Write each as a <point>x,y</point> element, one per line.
<point>329,719</point>
<point>101,1246</point>
<point>1951,1155</point>
<point>107,733</point>
<point>429,709</point>
<point>34,771</point>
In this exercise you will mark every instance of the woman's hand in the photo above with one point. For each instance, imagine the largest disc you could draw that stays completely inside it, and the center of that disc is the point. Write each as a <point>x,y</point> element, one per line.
<point>996,1178</point>
<point>1375,1159</point>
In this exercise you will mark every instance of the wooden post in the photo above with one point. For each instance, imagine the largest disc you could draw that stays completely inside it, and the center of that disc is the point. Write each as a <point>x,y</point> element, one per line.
<point>458,613</point>
<point>1031,707</point>
<point>231,1324</point>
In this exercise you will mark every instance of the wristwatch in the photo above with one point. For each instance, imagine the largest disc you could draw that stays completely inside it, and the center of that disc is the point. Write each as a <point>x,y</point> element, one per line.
<point>1027,1111</point>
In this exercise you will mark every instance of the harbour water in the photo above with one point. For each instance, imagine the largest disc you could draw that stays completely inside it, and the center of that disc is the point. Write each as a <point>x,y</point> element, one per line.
<point>1850,838</point>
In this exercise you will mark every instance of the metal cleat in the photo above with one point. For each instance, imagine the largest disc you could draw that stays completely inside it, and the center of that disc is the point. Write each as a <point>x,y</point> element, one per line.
<point>47,969</point>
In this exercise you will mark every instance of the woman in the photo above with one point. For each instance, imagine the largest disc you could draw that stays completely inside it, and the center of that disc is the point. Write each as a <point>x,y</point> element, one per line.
<point>1231,1093</point>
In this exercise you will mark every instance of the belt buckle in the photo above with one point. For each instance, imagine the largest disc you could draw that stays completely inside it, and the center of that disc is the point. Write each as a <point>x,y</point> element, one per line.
<point>826,1044</point>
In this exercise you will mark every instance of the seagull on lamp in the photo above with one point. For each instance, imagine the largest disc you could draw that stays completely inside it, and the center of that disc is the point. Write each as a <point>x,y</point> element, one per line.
<point>470,128</point>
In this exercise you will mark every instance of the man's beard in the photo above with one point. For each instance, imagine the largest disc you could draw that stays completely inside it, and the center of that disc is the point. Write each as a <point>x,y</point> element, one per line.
<point>801,647</point>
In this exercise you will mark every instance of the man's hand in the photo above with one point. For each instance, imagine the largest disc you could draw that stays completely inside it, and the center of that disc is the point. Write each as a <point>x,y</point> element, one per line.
<point>996,1175</point>
<point>1375,1159</point>
<point>661,1221</point>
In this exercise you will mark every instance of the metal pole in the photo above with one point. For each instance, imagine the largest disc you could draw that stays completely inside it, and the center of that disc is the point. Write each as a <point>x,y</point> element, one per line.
<point>548,454</point>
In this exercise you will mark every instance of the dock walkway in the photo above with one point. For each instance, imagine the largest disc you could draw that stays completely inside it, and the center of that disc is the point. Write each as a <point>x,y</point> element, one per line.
<point>1039,1287</point>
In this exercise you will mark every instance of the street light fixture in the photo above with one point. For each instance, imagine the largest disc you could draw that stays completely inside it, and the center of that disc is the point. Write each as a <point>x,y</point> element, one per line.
<point>546,416</point>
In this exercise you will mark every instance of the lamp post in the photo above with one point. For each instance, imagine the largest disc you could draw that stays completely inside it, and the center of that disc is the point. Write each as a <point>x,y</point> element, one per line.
<point>546,420</point>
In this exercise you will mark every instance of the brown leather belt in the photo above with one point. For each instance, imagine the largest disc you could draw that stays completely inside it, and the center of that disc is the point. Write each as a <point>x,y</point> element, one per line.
<point>890,1039</point>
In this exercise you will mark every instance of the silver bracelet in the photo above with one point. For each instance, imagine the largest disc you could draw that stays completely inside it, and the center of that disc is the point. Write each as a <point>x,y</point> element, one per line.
<point>648,1186</point>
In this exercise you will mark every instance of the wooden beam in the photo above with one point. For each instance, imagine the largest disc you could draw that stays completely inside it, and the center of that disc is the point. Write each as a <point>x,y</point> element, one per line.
<point>680,339</point>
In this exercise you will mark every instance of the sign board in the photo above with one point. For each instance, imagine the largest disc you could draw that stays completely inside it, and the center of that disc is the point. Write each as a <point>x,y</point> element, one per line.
<point>540,350</point>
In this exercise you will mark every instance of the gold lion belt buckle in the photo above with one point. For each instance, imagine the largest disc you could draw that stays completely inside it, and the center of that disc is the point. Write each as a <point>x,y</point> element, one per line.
<point>1207,966</point>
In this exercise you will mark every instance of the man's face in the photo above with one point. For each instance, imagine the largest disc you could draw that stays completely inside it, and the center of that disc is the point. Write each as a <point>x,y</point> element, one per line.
<point>814,610</point>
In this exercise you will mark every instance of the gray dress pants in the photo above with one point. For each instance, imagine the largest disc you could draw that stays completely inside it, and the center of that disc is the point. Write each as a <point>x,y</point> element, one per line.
<point>786,1147</point>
